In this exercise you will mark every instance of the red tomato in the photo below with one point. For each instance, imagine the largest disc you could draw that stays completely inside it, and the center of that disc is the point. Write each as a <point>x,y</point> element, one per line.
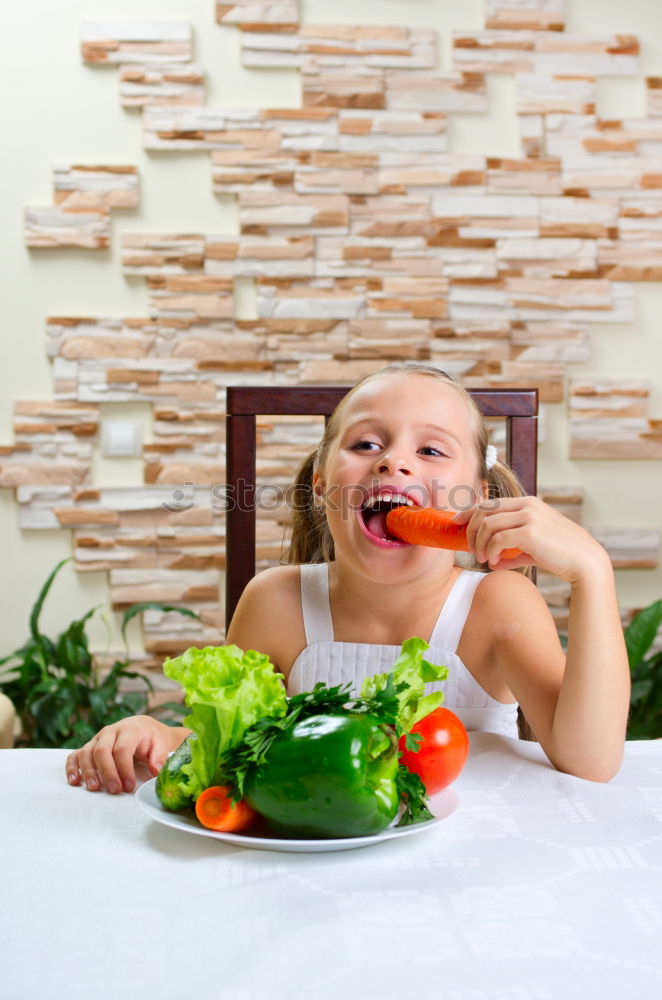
<point>442,751</point>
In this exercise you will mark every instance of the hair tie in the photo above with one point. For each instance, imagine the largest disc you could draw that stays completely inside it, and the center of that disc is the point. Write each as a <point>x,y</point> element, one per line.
<point>490,456</point>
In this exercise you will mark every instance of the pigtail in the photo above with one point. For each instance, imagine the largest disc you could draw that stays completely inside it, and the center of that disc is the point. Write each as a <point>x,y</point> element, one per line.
<point>502,481</point>
<point>311,540</point>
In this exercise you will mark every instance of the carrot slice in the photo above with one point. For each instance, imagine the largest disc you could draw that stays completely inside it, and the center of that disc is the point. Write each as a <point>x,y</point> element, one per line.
<point>216,810</point>
<point>435,528</point>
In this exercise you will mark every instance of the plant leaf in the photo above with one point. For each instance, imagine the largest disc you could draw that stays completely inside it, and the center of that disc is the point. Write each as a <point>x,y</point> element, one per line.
<point>136,675</point>
<point>136,609</point>
<point>640,633</point>
<point>414,797</point>
<point>654,664</point>
<point>170,713</point>
<point>641,690</point>
<point>100,703</point>
<point>82,732</point>
<point>132,703</point>
<point>413,742</point>
<point>36,610</point>
<point>71,650</point>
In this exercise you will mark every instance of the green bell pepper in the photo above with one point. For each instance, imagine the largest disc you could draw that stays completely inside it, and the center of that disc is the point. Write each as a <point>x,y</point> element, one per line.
<point>332,775</point>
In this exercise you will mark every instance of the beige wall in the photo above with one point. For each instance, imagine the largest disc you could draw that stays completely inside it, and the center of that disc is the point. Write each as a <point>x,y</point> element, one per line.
<point>57,110</point>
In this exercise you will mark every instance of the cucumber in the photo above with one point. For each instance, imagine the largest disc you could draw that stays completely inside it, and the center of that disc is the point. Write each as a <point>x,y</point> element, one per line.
<point>171,785</point>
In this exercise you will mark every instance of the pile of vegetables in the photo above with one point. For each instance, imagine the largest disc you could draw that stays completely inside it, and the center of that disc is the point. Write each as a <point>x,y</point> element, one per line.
<point>323,763</point>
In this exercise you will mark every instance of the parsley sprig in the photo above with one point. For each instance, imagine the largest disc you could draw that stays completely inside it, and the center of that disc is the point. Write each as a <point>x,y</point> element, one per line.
<point>413,797</point>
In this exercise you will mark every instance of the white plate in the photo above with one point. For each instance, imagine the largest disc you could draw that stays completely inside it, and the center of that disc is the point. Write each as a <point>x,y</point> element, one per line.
<point>442,805</point>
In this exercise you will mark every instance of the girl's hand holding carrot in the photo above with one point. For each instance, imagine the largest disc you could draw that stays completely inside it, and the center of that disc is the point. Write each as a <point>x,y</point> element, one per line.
<point>547,538</point>
<point>434,528</point>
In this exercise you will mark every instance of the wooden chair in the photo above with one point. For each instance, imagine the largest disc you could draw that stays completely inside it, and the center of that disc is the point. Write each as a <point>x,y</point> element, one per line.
<point>519,407</point>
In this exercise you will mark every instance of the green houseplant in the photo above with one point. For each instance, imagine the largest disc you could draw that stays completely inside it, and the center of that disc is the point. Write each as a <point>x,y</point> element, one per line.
<point>645,719</point>
<point>58,688</point>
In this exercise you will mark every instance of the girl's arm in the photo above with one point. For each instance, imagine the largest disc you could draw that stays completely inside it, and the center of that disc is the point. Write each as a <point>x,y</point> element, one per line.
<point>592,711</point>
<point>107,761</point>
<point>266,615</point>
<point>578,711</point>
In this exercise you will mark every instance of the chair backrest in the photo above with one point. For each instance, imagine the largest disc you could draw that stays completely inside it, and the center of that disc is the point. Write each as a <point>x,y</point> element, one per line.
<point>519,407</point>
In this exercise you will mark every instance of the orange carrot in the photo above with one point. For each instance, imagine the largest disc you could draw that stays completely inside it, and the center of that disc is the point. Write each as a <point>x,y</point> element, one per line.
<point>436,528</point>
<point>216,810</point>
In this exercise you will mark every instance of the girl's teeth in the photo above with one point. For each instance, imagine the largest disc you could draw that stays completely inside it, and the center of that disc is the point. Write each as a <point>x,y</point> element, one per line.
<point>388,497</point>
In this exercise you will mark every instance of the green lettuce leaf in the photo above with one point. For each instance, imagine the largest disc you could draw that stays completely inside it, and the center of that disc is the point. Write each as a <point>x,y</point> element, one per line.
<point>227,691</point>
<point>406,683</point>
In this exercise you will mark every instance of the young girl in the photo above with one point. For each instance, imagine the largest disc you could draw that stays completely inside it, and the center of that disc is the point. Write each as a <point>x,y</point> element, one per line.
<point>351,595</point>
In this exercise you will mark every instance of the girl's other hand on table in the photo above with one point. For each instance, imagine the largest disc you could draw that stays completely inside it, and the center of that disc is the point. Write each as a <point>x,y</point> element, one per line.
<point>108,760</point>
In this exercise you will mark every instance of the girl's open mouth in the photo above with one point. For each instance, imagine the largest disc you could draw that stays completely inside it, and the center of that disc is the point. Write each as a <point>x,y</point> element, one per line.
<point>372,518</point>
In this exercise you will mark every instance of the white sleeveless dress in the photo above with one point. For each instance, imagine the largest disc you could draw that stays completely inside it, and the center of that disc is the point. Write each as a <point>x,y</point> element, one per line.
<point>324,659</point>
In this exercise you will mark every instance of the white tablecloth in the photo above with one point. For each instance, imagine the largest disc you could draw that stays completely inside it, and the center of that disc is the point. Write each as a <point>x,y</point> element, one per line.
<point>540,886</point>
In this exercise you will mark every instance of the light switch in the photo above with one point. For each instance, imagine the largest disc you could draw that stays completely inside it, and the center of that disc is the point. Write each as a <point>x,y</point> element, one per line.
<point>121,439</point>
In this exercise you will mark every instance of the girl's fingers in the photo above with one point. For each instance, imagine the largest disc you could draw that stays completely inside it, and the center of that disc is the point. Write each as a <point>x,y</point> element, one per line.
<point>81,766</point>
<point>500,540</point>
<point>157,757</point>
<point>547,538</point>
<point>483,521</point>
<point>108,759</point>
<point>150,750</point>
<point>123,761</point>
<point>491,506</point>
<point>91,779</point>
<point>72,769</point>
<point>103,755</point>
<point>88,771</point>
<point>494,527</point>
<point>472,519</point>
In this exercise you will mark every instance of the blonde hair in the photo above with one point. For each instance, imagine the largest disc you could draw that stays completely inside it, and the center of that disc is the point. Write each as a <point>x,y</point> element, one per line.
<point>311,540</point>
